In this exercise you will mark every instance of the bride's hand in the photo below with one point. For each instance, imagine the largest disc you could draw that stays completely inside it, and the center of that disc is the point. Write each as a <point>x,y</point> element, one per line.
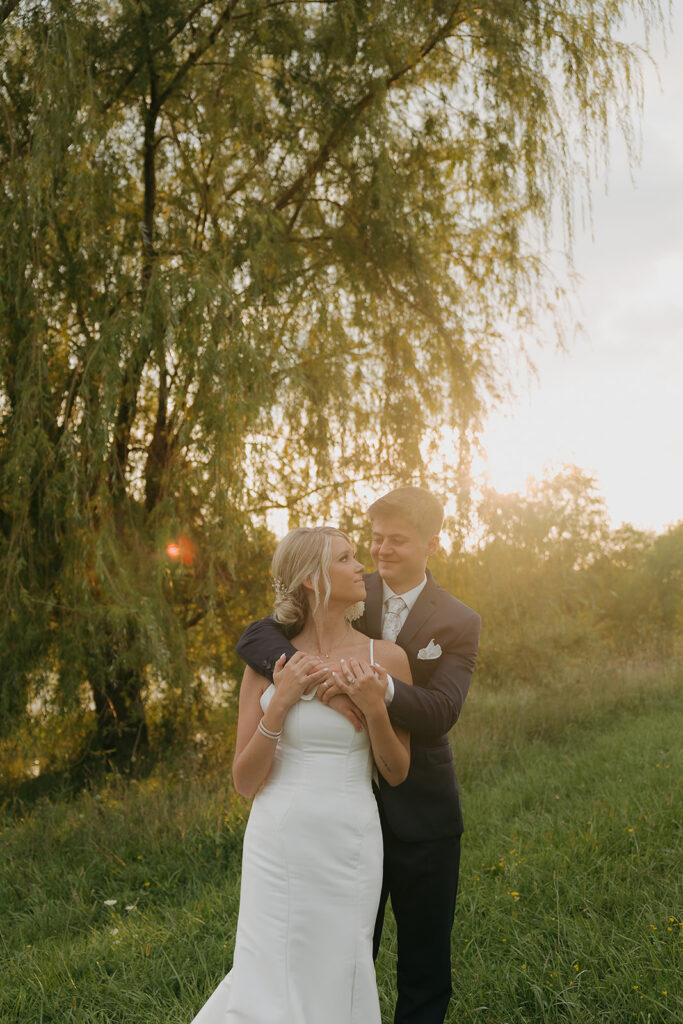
<point>362,684</point>
<point>296,677</point>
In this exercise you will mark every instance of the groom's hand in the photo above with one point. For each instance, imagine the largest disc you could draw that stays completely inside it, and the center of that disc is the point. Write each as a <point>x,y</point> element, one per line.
<point>345,706</point>
<point>331,695</point>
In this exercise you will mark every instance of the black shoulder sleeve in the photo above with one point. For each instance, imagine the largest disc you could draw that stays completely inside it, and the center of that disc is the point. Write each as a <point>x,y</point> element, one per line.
<point>261,645</point>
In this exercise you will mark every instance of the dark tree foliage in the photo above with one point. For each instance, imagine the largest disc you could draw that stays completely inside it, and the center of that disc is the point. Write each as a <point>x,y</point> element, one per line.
<point>252,252</point>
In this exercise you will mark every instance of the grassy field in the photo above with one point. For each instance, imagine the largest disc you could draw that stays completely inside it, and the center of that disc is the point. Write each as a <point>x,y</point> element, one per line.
<point>119,905</point>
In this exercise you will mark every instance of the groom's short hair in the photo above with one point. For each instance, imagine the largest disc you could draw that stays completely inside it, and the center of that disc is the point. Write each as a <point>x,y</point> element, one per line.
<point>422,509</point>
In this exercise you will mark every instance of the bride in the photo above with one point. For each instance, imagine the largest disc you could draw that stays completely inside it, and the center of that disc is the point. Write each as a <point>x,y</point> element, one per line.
<point>312,859</point>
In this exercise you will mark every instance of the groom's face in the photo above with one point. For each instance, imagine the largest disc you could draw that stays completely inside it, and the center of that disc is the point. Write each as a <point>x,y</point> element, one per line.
<point>400,552</point>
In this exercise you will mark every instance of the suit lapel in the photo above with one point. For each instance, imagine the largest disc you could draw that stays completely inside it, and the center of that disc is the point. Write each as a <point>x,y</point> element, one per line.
<point>419,613</point>
<point>373,605</point>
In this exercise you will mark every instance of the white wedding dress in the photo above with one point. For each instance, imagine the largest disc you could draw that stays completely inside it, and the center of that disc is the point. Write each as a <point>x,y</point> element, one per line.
<point>311,878</point>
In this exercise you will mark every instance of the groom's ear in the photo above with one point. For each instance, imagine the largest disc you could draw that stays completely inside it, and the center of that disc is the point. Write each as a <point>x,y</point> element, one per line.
<point>433,544</point>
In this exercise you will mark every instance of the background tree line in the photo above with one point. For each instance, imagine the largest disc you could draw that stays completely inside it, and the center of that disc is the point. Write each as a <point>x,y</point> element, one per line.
<point>557,585</point>
<point>563,596</point>
<point>253,253</point>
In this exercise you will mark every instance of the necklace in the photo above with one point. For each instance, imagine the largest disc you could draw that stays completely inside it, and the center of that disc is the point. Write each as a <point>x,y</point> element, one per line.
<point>340,643</point>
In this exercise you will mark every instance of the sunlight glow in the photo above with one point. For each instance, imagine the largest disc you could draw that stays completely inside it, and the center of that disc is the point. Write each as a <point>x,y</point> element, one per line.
<point>182,549</point>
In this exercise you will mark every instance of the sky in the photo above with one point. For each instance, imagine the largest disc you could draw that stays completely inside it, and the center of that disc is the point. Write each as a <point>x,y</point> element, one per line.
<point>613,404</point>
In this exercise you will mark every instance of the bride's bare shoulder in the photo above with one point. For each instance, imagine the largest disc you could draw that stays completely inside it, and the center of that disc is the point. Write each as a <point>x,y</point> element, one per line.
<point>394,659</point>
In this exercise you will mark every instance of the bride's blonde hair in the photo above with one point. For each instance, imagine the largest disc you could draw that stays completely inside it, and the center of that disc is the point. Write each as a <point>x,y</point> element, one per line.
<point>304,552</point>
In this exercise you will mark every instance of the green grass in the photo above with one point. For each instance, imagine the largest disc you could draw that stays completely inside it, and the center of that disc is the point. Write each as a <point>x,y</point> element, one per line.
<point>570,896</point>
<point>570,889</point>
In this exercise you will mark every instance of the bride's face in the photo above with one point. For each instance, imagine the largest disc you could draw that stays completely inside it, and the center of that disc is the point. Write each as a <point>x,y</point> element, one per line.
<point>346,573</point>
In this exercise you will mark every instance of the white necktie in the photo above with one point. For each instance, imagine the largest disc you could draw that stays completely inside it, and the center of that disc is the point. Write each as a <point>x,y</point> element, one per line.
<point>392,617</point>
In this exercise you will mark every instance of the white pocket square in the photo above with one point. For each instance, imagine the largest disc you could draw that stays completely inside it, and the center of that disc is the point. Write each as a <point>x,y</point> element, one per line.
<point>432,650</point>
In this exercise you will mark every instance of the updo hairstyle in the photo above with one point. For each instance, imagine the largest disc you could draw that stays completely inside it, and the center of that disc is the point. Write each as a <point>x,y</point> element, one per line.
<point>304,552</point>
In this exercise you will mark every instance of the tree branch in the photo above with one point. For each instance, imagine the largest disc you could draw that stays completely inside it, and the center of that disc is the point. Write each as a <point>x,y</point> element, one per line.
<point>169,39</point>
<point>303,495</point>
<point>352,114</point>
<point>133,371</point>
<point>199,50</point>
<point>6,9</point>
<point>159,448</point>
<point>79,370</point>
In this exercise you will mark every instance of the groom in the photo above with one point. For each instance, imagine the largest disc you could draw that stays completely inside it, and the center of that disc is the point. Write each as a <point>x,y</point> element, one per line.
<point>421,818</point>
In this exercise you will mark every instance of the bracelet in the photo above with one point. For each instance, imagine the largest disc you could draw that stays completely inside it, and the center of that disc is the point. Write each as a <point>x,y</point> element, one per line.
<point>267,732</point>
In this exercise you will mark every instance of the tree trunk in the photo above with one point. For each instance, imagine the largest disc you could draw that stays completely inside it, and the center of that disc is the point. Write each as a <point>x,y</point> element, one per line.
<point>122,735</point>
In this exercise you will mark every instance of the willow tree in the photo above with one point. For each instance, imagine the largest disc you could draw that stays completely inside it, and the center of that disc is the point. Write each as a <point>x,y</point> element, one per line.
<point>252,251</point>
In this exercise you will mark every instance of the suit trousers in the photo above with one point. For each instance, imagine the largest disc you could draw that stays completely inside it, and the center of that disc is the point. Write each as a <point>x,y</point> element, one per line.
<point>421,879</point>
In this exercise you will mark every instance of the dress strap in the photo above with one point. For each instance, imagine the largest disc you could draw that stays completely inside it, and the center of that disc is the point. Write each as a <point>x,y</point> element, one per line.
<point>372,652</point>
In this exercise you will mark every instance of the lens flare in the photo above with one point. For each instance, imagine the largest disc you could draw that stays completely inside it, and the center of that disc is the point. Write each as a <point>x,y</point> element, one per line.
<point>182,549</point>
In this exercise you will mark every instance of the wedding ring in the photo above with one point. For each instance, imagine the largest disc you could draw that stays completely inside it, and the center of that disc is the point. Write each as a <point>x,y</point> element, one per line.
<point>325,685</point>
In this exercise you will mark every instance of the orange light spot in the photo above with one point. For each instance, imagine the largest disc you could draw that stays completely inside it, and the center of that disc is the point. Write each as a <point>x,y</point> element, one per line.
<point>182,548</point>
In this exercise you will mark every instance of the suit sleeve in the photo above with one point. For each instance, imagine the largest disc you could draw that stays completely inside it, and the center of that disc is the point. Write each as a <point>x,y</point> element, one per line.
<point>431,710</point>
<point>261,645</point>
